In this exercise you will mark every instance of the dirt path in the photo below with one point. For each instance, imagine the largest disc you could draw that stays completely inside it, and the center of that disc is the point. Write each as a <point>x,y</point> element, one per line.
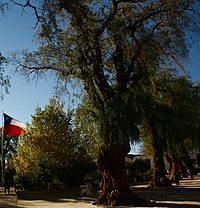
<point>187,195</point>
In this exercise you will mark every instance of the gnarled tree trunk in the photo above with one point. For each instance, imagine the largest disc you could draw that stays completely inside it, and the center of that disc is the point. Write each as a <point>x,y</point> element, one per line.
<point>115,190</point>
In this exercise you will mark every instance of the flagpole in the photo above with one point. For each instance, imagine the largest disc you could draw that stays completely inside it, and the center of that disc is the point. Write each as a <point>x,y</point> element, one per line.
<point>2,153</point>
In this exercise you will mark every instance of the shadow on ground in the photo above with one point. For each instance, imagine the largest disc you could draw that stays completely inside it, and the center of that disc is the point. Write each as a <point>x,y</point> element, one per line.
<point>8,201</point>
<point>187,195</point>
<point>5,205</point>
<point>71,195</point>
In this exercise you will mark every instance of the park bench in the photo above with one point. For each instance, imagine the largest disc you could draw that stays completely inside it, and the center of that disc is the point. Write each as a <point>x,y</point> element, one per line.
<point>86,189</point>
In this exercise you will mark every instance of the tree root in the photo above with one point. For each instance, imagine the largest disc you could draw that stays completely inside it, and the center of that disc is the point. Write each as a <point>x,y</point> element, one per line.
<point>163,182</point>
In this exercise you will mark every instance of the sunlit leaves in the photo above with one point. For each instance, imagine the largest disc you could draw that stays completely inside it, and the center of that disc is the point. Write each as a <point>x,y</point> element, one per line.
<point>51,134</point>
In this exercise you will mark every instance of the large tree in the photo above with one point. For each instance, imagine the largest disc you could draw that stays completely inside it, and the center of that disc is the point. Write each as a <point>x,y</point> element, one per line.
<point>111,48</point>
<point>169,120</point>
<point>182,95</point>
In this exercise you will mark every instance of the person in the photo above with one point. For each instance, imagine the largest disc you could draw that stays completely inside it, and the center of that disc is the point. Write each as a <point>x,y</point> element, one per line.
<point>6,185</point>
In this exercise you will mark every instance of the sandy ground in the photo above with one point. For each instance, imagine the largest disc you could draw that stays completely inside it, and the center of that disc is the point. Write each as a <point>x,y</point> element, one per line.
<point>186,195</point>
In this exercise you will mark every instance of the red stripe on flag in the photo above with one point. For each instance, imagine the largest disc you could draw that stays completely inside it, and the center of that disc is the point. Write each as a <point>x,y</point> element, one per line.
<point>12,130</point>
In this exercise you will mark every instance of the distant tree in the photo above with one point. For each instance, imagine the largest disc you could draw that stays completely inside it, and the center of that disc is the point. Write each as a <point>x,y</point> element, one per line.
<point>110,48</point>
<point>183,97</point>
<point>50,149</point>
<point>171,121</point>
<point>186,132</point>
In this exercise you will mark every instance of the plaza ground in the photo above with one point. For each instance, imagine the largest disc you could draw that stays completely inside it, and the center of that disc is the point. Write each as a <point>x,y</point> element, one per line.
<point>186,195</point>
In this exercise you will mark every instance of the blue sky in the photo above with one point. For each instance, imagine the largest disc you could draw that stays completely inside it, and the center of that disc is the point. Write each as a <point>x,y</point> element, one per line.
<point>17,33</point>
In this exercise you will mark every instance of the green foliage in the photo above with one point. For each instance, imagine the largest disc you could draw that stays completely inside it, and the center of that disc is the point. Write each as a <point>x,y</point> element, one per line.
<point>137,169</point>
<point>25,180</point>
<point>169,128</point>
<point>9,148</point>
<point>50,149</point>
<point>75,174</point>
<point>10,145</point>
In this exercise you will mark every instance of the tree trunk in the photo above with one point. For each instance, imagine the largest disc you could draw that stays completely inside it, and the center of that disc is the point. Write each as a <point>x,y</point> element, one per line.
<point>173,169</point>
<point>115,190</point>
<point>183,168</point>
<point>174,175</point>
<point>188,163</point>
<point>198,159</point>
<point>159,175</point>
<point>169,160</point>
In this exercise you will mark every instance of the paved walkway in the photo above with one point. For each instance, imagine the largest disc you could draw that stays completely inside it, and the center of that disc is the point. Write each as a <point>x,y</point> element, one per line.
<point>187,195</point>
<point>8,201</point>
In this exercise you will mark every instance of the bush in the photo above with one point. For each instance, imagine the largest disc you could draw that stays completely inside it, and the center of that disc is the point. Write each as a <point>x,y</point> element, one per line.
<point>138,169</point>
<point>23,179</point>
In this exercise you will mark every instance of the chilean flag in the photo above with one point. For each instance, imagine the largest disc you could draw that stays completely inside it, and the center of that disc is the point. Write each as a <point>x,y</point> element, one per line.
<point>12,127</point>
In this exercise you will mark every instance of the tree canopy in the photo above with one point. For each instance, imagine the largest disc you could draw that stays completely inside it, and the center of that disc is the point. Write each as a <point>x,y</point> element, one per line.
<point>111,47</point>
<point>170,117</point>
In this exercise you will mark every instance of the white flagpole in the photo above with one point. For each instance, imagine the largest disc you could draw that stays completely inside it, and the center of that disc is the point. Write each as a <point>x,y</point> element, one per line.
<point>2,152</point>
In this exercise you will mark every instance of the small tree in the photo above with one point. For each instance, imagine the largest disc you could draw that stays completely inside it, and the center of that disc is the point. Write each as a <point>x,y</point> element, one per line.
<point>50,149</point>
<point>172,120</point>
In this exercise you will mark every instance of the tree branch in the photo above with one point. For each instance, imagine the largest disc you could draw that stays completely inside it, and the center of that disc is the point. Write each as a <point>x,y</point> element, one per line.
<point>111,16</point>
<point>28,4</point>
